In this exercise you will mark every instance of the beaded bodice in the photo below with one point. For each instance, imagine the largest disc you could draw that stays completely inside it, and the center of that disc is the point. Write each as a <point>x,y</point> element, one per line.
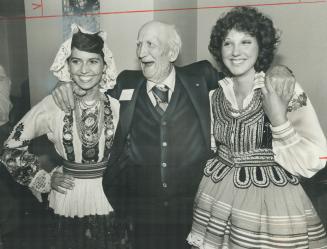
<point>91,122</point>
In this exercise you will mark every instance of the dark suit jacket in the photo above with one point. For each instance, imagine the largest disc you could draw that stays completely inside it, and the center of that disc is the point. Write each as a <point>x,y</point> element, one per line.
<point>197,79</point>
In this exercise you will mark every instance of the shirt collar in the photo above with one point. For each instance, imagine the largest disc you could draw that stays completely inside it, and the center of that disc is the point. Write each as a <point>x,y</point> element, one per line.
<point>168,82</point>
<point>227,86</point>
<point>229,83</point>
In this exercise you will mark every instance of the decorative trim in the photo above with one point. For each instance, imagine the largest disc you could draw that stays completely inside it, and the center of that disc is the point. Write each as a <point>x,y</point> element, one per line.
<point>297,102</point>
<point>67,136</point>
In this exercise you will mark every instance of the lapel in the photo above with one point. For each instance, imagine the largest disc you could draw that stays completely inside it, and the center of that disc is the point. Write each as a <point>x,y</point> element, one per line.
<point>127,107</point>
<point>196,89</point>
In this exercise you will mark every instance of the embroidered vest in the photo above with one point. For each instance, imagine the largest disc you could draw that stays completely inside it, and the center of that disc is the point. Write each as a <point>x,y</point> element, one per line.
<point>244,145</point>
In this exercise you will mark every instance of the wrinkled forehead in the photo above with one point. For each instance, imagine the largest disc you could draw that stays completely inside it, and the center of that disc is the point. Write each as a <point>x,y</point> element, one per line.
<point>152,32</point>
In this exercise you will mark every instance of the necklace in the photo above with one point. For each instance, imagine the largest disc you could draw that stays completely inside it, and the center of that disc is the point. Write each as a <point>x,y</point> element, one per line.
<point>89,122</point>
<point>90,143</point>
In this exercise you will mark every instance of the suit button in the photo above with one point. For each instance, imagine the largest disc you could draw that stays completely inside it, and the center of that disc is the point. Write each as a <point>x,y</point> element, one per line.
<point>164,123</point>
<point>164,165</point>
<point>164,185</point>
<point>166,203</point>
<point>164,144</point>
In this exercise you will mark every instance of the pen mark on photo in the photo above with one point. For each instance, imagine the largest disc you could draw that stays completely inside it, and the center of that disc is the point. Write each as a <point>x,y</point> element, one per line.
<point>36,6</point>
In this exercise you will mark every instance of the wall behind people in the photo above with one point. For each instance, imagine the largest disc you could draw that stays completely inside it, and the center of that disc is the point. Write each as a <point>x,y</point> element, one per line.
<point>122,27</point>
<point>13,51</point>
<point>303,43</point>
<point>185,22</point>
<point>44,35</point>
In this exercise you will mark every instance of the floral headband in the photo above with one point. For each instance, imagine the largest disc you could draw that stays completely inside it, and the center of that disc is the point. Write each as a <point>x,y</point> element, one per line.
<point>60,65</point>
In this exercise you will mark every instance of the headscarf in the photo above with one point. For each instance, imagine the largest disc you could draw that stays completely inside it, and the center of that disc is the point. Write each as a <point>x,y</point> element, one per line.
<point>60,65</point>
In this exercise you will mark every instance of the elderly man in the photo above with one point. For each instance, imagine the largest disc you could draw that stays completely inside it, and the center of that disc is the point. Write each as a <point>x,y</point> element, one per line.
<point>162,140</point>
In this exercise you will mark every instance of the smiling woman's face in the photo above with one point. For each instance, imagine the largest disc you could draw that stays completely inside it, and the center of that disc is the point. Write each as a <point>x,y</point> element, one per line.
<point>240,52</point>
<point>86,68</point>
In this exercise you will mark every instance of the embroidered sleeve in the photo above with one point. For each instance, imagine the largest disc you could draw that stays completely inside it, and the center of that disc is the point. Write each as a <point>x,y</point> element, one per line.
<point>21,164</point>
<point>299,143</point>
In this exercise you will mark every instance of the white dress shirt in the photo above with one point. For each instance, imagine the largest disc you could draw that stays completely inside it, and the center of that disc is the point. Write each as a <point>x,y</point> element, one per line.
<point>169,82</point>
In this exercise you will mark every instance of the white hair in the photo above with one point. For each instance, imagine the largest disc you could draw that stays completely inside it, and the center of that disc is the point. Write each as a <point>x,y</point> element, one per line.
<point>174,40</point>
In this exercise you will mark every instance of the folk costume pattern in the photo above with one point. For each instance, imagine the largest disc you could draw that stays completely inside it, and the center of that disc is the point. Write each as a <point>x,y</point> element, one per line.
<point>88,118</point>
<point>247,198</point>
<point>86,202</point>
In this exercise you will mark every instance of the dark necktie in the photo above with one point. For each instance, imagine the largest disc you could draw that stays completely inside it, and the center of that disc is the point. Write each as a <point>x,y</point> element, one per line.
<point>161,96</point>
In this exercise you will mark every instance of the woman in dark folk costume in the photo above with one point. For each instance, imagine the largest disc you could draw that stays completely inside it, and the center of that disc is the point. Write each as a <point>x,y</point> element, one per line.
<point>265,139</point>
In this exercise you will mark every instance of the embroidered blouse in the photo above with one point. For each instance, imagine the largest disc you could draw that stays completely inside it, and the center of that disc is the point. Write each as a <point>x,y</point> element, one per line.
<point>62,130</point>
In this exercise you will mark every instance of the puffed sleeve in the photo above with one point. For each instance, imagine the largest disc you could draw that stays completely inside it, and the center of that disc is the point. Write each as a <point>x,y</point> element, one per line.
<point>21,164</point>
<point>299,143</point>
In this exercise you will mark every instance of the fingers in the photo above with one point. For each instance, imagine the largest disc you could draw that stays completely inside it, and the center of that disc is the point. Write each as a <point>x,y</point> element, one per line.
<point>56,95</point>
<point>289,86</point>
<point>63,96</point>
<point>269,87</point>
<point>62,182</point>
<point>60,190</point>
<point>281,78</point>
<point>278,84</point>
<point>288,91</point>
<point>66,91</point>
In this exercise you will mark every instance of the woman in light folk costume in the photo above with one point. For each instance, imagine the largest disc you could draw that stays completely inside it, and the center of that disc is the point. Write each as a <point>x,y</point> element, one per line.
<point>265,140</point>
<point>83,138</point>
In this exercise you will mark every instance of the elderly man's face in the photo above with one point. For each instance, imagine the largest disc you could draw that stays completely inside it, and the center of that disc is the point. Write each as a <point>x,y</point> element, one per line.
<point>153,52</point>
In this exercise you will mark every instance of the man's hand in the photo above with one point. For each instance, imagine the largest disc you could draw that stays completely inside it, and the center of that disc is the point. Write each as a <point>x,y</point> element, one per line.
<point>61,182</point>
<point>281,79</point>
<point>63,95</point>
<point>278,91</point>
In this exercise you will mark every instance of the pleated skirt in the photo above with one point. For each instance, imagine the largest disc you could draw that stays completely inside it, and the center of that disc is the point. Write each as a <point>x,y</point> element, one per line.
<point>226,216</point>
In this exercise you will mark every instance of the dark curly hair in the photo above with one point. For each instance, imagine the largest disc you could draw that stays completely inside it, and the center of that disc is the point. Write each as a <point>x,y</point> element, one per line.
<point>251,21</point>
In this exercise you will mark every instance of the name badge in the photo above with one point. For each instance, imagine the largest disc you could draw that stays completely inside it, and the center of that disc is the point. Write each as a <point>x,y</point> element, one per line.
<point>126,94</point>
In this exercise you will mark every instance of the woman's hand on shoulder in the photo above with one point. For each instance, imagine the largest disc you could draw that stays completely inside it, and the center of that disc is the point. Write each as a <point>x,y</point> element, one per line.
<point>281,79</point>
<point>61,182</point>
